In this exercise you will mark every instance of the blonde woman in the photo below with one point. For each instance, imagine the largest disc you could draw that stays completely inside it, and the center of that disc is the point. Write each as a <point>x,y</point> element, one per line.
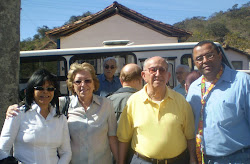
<point>91,118</point>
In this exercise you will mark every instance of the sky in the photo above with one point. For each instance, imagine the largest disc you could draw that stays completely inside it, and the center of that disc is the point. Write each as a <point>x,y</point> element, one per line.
<point>54,13</point>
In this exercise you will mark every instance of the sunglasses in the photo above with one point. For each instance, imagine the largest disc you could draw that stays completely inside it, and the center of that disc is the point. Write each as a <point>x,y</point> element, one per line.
<point>40,88</point>
<point>153,70</point>
<point>79,82</point>
<point>111,67</point>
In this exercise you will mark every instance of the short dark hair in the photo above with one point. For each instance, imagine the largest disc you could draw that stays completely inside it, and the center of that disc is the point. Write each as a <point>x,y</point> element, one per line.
<point>38,78</point>
<point>208,42</point>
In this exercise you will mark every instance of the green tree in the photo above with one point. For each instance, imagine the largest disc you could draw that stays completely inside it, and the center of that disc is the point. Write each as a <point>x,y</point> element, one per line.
<point>235,7</point>
<point>230,27</point>
<point>42,30</point>
<point>234,40</point>
<point>74,18</point>
<point>40,39</point>
<point>217,29</point>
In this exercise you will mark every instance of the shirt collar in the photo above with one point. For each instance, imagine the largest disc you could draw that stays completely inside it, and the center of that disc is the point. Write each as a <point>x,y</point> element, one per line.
<point>179,86</point>
<point>36,107</point>
<point>96,99</point>
<point>126,89</point>
<point>226,75</point>
<point>75,102</point>
<point>103,78</point>
<point>145,97</point>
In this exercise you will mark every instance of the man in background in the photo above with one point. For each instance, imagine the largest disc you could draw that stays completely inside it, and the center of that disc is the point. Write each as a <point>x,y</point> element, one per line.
<point>131,80</point>
<point>108,82</point>
<point>181,73</point>
<point>191,77</point>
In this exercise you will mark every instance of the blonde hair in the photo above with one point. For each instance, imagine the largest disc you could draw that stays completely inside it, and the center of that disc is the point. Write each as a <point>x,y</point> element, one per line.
<point>75,68</point>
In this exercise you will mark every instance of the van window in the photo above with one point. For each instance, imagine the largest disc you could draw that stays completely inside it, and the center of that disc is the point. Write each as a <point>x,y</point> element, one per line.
<point>97,60</point>
<point>186,59</point>
<point>55,64</point>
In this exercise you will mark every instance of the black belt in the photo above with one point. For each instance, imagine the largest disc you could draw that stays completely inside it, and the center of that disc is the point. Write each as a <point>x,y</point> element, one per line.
<point>162,161</point>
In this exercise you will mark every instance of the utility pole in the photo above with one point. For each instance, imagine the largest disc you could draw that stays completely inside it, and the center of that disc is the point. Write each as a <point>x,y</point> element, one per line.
<point>9,54</point>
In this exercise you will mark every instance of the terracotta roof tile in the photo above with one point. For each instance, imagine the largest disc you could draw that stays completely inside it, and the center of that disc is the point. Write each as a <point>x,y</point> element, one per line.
<point>117,8</point>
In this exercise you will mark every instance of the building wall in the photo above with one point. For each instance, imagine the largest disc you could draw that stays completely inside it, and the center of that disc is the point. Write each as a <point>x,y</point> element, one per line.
<point>114,28</point>
<point>236,56</point>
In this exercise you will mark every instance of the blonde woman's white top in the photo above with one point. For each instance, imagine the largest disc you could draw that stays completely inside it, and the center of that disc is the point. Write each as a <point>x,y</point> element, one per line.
<point>90,130</point>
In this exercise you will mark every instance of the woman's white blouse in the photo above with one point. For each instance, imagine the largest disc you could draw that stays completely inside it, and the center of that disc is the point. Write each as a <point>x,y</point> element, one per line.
<point>90,130</point>
<point>36,139</point>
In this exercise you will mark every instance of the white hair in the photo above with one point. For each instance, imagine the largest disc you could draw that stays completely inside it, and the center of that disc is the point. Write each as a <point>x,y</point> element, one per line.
<point>107,59</point>
<point>185,67</point>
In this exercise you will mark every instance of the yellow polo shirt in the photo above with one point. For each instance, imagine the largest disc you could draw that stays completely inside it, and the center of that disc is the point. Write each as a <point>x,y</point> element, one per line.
<point>158,130</point>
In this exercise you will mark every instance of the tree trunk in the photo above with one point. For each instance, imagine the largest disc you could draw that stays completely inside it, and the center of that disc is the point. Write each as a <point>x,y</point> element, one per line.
<point>9,54</point>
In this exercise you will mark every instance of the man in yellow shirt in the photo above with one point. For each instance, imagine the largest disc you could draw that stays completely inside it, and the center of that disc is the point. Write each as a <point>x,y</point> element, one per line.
<point>158,121</point>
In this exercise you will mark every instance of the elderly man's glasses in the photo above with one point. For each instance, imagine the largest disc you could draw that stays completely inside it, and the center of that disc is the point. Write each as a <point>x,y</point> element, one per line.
<point>208,56</point>
<point>111,67</point>
<point>79,82</point>
<point>179,73</point>
<point>153,70</point>
<point>40,88</point>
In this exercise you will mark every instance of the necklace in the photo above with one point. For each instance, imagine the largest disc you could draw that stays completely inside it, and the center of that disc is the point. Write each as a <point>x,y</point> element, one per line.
<point>199,136</point>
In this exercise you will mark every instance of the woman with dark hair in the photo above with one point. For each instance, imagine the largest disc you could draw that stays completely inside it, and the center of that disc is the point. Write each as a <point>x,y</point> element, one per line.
<point>39,132</point>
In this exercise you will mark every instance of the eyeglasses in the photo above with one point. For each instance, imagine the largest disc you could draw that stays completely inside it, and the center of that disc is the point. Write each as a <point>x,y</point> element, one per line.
<point>153,70</point>
<point>209,56</point>
<point>179,73</point>
<point>40,88</point>
<point>111,67</point>
<point>79,82</point>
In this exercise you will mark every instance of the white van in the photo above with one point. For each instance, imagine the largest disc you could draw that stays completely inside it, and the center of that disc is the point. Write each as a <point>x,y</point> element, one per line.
<point>58,60</point>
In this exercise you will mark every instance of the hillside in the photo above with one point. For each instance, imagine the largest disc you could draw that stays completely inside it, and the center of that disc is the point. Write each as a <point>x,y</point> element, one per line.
<point>38,42</point>
<point>230,28</point>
